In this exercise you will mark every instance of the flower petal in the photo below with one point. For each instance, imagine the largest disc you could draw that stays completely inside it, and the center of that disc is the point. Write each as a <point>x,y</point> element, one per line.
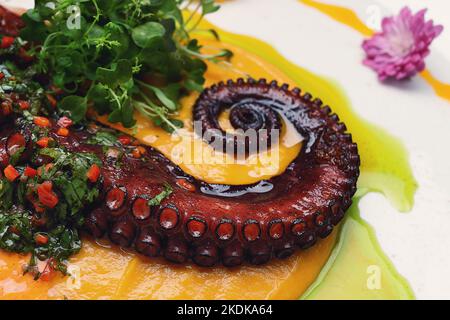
<point>399,50</point>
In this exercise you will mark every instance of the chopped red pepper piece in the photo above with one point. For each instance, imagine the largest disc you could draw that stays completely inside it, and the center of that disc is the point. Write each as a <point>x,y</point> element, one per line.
<point>7,42</point>
<point>93,173</point>
<point>136,153</point>
<point>23,105</point>
<point>41,121</point>
<point>30,172</point>
<point>63,132</point>
<point>41,239</point>
<point>125,140</point>
<point>183,183</point>
<point>142,150</point>
<point>38,207</point>
<point>44,142</point>
<point>11,173</point>
<point>46,195</point>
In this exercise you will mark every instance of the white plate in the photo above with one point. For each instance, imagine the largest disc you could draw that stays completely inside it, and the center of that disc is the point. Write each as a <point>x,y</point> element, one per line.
<point>418,242</point>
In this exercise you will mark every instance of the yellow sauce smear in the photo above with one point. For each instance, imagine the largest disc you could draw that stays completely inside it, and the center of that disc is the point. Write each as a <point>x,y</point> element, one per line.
<point>105,273</point>
<point>349,18</point>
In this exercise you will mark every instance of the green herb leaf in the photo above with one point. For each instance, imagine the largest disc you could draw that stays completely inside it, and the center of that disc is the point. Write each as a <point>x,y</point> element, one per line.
<point>115,44</point>
<point>120,73</point>
<point>6,194</point>
<point>99,95</point>
<point>208,6</point>
<point>145,34</point>
<point>75,106</point>
<point>175,123</point>
<point>104,138</point>
<point>156,201</point>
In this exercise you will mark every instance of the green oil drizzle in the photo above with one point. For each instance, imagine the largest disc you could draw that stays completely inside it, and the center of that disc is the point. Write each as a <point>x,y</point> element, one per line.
<point>357,268</point>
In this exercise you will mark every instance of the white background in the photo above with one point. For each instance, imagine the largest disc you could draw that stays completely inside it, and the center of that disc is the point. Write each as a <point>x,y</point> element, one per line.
<point>417,243</point>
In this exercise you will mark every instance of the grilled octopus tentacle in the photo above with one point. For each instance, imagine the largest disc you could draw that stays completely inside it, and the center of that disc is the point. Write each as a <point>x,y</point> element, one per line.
<point>212,224</point>
<point>206,223</point>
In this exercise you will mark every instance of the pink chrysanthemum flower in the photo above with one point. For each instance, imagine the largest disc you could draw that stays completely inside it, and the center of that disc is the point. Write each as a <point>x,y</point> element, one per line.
<point>399,50</point>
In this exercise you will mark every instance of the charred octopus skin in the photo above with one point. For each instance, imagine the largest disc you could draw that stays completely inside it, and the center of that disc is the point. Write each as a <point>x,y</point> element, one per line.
<point>219,224</point>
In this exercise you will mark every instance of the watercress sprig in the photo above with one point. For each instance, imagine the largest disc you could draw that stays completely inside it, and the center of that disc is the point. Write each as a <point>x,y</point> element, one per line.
<point>120,56</point>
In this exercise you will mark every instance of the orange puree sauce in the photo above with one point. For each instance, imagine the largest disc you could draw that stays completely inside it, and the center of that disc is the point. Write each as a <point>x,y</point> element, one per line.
<point>110,273</point>
<point>101,272</point>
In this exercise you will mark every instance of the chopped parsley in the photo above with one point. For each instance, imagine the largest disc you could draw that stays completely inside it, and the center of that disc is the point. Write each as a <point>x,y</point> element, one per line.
<point>69,174</point>
<point>17,234</point>
<point>104,138</point>
<point>58,225</point>
<point>156,201</point>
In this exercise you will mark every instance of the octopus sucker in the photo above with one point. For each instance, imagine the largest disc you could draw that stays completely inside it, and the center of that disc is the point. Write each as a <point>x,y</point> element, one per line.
<point>231,228</point>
